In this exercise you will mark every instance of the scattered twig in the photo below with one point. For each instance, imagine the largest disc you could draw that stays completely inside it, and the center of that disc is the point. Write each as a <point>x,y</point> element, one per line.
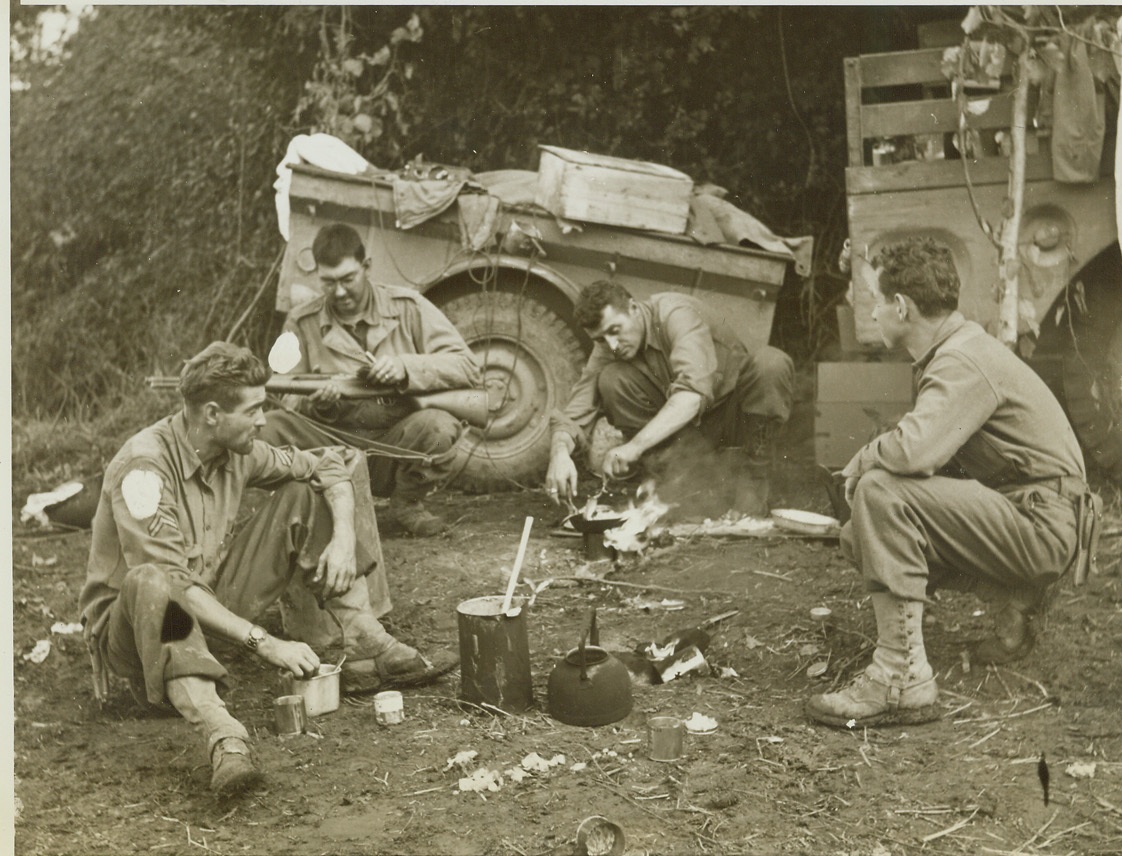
<point>1039,707</point>
<point>1108,805</point>
<point>1038,832</point>
<point>982,740</point>
<point>1044,692</point>
<point>1005,686</point>
<point>953,828</point>
<point>1064,832</point>
<point>773,576</point>
<point>649,586</point>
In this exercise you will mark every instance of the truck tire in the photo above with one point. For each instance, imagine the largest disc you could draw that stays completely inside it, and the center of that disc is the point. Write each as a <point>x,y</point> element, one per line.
<point>1091,348</point>
<point>531,358</point>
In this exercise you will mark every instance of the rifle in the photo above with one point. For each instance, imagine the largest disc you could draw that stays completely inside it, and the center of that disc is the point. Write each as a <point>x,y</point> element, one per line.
<point>473,406</point>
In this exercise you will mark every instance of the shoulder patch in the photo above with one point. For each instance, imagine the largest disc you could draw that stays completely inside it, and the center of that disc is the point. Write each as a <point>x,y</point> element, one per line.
<point>141,490</point>
<point>285,353</point>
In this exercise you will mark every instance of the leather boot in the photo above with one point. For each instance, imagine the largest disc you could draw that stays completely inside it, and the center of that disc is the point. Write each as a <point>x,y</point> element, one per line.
<point>753,486</point>
<point>898,687</point>
<point>376,660</point>
<point>1013,636</point>
<point>197,700</point>
<point>752,490</point>
<point>232,768</point>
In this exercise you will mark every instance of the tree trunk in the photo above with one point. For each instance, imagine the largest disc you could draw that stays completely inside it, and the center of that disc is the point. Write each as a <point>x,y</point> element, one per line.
<point>1011,228</point>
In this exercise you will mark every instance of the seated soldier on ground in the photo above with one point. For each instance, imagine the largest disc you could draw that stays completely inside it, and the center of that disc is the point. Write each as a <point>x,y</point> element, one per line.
<point>167,568</point>
<point>391,337</point>
<point>980,487</point>
<point>681,387</point>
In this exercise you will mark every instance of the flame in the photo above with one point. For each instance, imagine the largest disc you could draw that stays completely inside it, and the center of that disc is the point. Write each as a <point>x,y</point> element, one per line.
<point>631,535</point>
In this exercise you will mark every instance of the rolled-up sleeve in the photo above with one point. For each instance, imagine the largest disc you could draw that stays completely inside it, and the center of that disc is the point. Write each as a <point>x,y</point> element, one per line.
<point>579,414</point>
<point>953,402</point>
<point>270,466</point>
<point>693,356</point>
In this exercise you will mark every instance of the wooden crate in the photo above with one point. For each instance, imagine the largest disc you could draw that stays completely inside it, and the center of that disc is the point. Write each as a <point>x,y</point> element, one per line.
<point>613,191</point>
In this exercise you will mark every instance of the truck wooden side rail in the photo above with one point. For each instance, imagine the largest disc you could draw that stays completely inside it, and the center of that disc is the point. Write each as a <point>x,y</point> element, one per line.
<point>905,177</point>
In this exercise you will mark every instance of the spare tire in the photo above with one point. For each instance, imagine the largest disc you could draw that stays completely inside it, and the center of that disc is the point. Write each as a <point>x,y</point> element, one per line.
<point>1086,331</point>
<point>531,357</point>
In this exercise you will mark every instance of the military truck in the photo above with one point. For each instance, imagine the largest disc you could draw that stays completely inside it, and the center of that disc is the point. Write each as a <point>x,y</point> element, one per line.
<point>905,177</point>
<point>513,299</point>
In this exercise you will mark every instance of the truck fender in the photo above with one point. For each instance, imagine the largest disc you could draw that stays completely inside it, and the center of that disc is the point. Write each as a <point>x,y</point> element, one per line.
<point>565,287</point>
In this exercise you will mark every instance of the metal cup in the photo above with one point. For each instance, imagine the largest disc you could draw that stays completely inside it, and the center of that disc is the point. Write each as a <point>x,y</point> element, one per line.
<point>290,715</point>
<point>666,738</point>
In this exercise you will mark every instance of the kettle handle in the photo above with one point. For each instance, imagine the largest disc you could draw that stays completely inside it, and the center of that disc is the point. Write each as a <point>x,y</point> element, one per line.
<point>583,661</point>
<point>593,630</point>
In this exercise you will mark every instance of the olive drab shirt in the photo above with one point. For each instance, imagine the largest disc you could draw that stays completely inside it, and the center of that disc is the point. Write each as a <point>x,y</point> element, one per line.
<point>685,347</point>
<point>399,323</point>
<point>160,505</point>
<point>979,410</point>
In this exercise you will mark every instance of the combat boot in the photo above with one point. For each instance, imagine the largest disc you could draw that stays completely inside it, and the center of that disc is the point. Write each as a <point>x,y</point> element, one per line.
<point>898,687</point>
<point>1013,635</point>
<point>232,768</point>
<point>414,518</point>
<point>376,660</point>
<point>196,698</point>
<point>753,487</point>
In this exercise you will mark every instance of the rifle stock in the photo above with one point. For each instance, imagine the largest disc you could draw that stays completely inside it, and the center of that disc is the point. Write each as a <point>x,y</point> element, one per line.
<point>469,405</point>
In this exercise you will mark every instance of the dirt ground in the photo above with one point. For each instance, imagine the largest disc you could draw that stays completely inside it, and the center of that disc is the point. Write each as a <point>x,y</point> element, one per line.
<point>120,780</point>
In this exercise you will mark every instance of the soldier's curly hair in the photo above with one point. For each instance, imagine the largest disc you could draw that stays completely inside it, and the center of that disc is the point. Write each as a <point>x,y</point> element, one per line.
<point>922,269</point>
<point>595,298</point>
<point>219,373</point>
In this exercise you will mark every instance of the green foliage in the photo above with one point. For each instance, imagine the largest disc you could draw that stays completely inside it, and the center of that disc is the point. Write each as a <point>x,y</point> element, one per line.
<point>142,215</point>
<point>357,96</point>
<point>142,164</point>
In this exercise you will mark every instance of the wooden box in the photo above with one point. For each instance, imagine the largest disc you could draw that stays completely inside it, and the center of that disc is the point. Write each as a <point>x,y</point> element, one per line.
<point>613,191</point>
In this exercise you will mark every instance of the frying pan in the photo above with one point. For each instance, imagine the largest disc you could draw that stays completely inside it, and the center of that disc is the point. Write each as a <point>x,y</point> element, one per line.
<point>599,524</point>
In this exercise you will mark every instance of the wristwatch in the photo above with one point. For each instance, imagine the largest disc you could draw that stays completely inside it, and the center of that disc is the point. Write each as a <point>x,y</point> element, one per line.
<point>255,637</point>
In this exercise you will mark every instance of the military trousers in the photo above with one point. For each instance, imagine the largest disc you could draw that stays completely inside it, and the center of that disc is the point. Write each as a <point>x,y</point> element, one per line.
<point>909,534</point>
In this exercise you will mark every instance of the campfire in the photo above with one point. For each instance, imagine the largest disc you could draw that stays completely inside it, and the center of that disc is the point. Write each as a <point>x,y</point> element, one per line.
<point>637,521</point>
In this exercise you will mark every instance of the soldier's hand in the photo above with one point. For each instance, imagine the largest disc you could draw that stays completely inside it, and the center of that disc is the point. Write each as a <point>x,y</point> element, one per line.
<point>619,461</point>
<point>561,477</point>
<point>386,371</point>
<point>297,657</point>
<point>336,569</point>
<point>329,393</point>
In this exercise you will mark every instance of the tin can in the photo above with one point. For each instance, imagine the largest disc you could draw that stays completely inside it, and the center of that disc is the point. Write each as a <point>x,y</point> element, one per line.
<point>290,715</point>
<point>389,708</point>
<point>666,738</point>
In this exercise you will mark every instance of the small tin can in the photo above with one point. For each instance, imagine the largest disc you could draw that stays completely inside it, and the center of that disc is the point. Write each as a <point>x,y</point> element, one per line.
<point>389,708</point>
<point>290,715</point>
<point>666,738</point>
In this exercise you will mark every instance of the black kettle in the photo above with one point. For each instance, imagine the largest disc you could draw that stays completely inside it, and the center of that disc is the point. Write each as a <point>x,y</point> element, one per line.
<point>589,686</point>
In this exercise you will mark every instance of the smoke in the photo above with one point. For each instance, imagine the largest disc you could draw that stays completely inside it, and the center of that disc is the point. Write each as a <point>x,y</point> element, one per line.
<point>695,479</point>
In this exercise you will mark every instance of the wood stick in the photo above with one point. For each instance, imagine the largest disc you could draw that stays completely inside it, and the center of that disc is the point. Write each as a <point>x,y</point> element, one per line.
<point>650,586</point>
<point>1038,832</point>
<point>954,828</point>
<point>517,565</point>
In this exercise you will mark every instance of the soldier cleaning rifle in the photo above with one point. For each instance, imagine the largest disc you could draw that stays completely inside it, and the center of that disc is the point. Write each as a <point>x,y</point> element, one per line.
<point>388,337</point>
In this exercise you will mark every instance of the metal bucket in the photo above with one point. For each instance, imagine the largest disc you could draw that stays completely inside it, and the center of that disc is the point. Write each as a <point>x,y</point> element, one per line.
<point>494,654</point>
